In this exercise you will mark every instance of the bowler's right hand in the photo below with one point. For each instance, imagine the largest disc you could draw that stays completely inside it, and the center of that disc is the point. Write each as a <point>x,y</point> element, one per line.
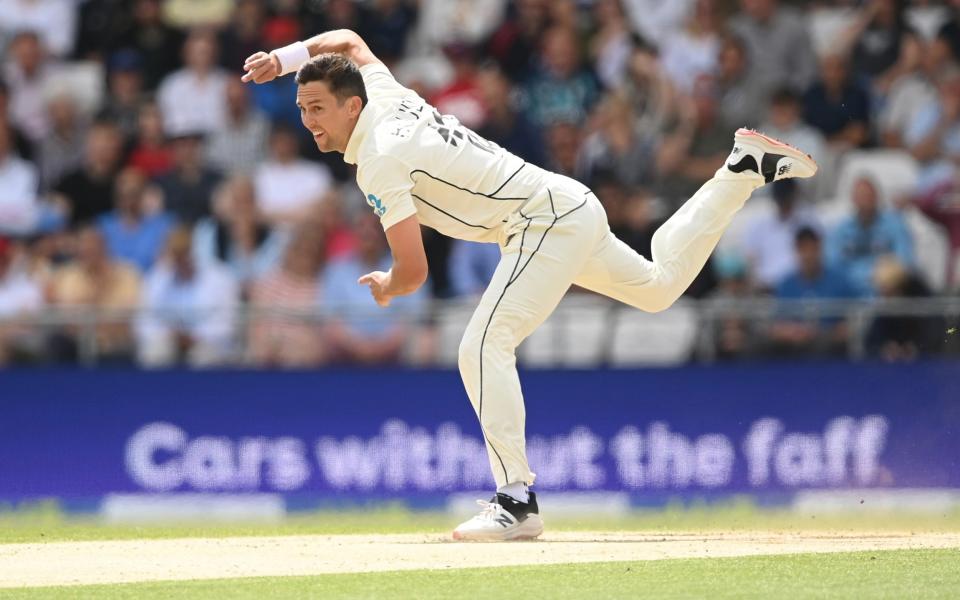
<point>261,68</point>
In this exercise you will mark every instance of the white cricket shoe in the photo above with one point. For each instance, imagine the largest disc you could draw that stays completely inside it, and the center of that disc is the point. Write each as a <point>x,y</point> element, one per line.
<point>774,160</point>
<point>502,519</point>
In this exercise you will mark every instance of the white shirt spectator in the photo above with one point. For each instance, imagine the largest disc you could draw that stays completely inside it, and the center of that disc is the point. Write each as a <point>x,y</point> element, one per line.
<point>19,294</point>
<point>770,244</point>
<point>54,20</point>
<point>28,102</point>
<point>467,21</point>
<point>193,103</point>
<point>657,20</point>
<point>239,146</point>
<point>287,189</point>
<point>685,58</point>
<point>19,205</point>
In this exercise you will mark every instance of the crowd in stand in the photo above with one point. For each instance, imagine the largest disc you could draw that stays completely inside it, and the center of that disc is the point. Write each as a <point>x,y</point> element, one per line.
<point>139,175</point>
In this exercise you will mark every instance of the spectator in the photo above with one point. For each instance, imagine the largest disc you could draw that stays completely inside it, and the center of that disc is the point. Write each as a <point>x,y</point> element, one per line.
<point>785,124</point>
<point>188,309</point>
<point>132,232</point>
<point>61,151</point>
<point>99,24</point>
<point>19,205</point>
<point>239,144</point>
<point>188,14</point>
<point>656,21</point>
<point>287,186</point>
<point>157,43</point>
<point>933,136</point>
<point>777,42</point>
<point>735,335</point>
<point>692,52</point>
<point>96,281</point>
<point>612,46</point>
<point>942,205</point>
<point>244,35</point>
<point>21,144</point>
<point>902,338</point>
<point>126,95</point>
<point>294,339</point>
<point>462,96</point>
<point>743,96</point>
<point>950,30</point>
<point>87,192</point>
<point>855,245</point>
<point>188,189</point>
<point>654,100</point>
<point>771,238</point>
<point>882,45</point>
<point>28,74</point>
<point>53,20</point>
<point>20,296</point>
<point>237,236</point>
<point>388,26</point>
<point>471,267</point>
<point>194,97</point>
<point>442,22</point>
<point>505,125</point>
<point>563,144</point>
<point>837,106</point>
<point>810,335</point>
<point>151,153</point>
<point>515,43</point>
<point>361,332</point>
<point>617,146</point>
<point>561,89</point>
<point>912,92</point>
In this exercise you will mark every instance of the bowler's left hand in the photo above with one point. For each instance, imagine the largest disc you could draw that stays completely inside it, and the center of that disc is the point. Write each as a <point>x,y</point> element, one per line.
<point>378,282</point>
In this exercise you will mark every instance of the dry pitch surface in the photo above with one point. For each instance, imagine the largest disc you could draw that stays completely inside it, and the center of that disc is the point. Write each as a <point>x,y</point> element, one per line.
<point>97,562</point>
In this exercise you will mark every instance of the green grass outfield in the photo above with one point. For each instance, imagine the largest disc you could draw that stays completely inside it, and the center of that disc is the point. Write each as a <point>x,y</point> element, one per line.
<point>888,574</point>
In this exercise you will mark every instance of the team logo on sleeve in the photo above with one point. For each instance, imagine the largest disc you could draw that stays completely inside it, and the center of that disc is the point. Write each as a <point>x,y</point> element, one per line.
<point>377,204</point>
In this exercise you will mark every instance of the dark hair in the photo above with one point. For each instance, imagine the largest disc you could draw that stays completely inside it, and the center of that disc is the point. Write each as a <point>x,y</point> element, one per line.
<point>806,234</point>
<point>339,73</point>
<point>784,96</point>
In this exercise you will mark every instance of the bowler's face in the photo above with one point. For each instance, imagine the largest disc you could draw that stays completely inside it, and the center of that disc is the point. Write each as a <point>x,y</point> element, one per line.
<point>329,121</point>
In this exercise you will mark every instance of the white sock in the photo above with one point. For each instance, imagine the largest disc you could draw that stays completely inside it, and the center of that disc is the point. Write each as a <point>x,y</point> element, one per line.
<point>516,490</point>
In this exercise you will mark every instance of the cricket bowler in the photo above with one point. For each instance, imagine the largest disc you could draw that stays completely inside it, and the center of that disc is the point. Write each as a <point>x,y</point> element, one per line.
<point>417,167</point>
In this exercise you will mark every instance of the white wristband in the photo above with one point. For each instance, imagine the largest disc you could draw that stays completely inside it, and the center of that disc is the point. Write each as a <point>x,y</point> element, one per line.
<point>292,56</point>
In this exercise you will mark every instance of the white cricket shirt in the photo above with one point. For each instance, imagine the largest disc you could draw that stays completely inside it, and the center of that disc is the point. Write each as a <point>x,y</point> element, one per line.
<point>412,160</point>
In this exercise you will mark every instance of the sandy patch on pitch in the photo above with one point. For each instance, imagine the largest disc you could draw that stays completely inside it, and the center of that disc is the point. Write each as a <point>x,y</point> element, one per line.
<point>79,563</point>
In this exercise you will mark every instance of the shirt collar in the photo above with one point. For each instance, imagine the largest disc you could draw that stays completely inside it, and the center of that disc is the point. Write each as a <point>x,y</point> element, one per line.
<point>359,134</point>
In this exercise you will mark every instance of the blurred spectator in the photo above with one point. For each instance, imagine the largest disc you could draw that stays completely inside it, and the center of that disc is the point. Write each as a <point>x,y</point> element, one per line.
<point>561,89</point>
<point>20,296</point>
<point>617,146</point>
<point>882,45</point>
<point>692,52</point>
<point>87,192</point>
<point>28,73</point>
<point>912,92</point>
<point>96,281</point>
<point>288,186</point>
<point>696,146</point>
<point>21,144</point>
<point>360,331</point>
<point>61,151</point>
<point>770,242</point>
<point>187,14</point>
<point>838,106</point>
<point>933,136</point>
<point>563,144</point>
<point>471,267</point>
<point>53,20</point>
<point>462,97</point>
<point>239,144</point>
<point>126,96</point>
<point>193,98</point>
<point>942,205</point>
<point>735,336</point>
<point>902,338</point>
<point>871,232</point>
<point>237,236</point>
<point>134,232</point>
<point>188,188</point>
<point>295,339</point>
<point>157,43</point>
<point>806,334</point>
<point>743,95</point>
<point>505,125</point>
<point>188,309</point>
<point>244,35</point>
<point>100,24</point>
<point>151,153</point>
<point>777,42</point>
<point>444,21</point>
<point>657,20</point>
<point>515,43</point>
<point>19,209</point>
<point>338,234</point>
<point>388,25</point>
<point>652,95</point>
<point>950,31</point>
<point>611,46</point>
<point>785,124</point>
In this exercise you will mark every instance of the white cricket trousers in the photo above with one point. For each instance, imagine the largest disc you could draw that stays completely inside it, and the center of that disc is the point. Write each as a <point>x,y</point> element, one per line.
<point>558,238</point>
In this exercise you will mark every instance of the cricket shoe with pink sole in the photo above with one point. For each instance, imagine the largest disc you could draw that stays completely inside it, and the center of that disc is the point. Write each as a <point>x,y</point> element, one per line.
<point>770,158</point>
<point>502,519</point>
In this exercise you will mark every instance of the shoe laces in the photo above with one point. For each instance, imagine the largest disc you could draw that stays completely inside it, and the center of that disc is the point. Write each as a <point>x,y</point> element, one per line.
<point>489,511</point>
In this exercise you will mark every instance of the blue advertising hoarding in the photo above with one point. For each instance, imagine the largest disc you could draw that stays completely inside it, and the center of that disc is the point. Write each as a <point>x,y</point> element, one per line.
<point>403,433</point>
